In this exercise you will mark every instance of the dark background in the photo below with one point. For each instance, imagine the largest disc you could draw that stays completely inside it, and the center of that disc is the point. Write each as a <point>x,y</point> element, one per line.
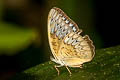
<point>23,29</point>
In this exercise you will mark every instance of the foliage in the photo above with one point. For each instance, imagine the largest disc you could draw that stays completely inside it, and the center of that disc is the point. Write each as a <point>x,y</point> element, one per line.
<point>104,66</point>
<point>13,38</point>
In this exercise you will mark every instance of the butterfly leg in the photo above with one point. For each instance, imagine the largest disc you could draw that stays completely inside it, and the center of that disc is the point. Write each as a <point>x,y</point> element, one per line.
<point>68,70</point>
<point>56,67</point>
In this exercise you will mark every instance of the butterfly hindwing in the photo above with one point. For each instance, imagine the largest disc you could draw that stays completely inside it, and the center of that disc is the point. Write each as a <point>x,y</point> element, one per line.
<point>75,49</point>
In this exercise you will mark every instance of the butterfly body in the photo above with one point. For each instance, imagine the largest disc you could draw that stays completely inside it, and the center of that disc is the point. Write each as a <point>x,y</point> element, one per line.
<point>68,47</point>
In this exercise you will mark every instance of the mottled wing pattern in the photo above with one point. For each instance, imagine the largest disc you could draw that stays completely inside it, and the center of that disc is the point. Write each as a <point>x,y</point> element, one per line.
<point>75,49</point>
<point>58,27</point>
<point>66,43</point>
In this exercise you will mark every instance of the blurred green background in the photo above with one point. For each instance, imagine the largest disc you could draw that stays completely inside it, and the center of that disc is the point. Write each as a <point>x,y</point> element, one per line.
<point>23,30</point>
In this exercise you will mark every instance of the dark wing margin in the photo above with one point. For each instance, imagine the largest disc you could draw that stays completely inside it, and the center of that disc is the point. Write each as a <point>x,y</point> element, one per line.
<point>90,43</point>
<point>66,17</point>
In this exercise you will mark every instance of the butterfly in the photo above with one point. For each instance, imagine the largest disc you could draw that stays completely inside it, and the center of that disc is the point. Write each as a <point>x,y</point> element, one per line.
<point>69,48</point>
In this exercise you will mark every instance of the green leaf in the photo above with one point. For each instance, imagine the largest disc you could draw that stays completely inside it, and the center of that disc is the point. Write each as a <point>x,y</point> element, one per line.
<point>14,38</point>
<point>104,66</point>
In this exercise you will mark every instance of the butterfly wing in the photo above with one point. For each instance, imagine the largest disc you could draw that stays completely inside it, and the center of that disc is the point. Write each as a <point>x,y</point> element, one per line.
<point>66,43</point>
<point>75,49</point>
<point>58,28</point>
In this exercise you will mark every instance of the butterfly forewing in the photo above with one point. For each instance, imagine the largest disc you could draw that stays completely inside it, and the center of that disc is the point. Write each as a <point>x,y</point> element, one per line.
<point>59,25</point>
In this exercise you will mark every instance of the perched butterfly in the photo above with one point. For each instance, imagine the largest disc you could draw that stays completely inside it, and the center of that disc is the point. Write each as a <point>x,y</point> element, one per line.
<point>68,47</point>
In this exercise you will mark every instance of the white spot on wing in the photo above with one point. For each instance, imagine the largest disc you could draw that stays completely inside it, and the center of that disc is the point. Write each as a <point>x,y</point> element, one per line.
<point>70,41</point>
<point>66,21</point>
<point>66,39</point>
<point>63,18</point>
<point>74,29</point>
<point>70,24</point>
<point>57,17</point>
